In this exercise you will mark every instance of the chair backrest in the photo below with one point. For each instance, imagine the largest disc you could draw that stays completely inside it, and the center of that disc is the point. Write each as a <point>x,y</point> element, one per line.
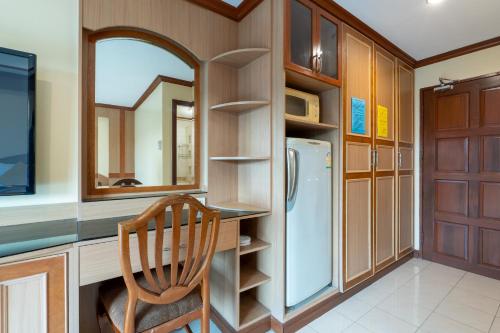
<point>198,250</point>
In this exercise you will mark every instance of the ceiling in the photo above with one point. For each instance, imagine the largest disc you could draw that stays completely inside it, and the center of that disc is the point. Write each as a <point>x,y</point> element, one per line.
<point>126,67</point>
<point>423,30</point>
<point>234,3</point>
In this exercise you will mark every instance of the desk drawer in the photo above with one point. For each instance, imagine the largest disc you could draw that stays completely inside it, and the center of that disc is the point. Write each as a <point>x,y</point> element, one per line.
<point>101,261</point>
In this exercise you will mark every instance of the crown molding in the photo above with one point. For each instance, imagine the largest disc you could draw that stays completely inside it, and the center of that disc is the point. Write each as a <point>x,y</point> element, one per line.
<point>224,9</point>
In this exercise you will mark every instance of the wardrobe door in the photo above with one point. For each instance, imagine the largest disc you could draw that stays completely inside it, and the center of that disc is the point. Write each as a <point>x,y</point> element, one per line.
<point>358,176</point>
<point>385,153</point>
<point>405,163</point>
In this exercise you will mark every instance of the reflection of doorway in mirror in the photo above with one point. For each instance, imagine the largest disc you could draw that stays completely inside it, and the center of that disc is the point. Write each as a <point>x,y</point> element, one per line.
<point>183,173</point>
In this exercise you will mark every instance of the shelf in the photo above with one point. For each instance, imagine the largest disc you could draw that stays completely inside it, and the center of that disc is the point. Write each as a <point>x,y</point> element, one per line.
<point>239,206</point>
<point>304,82</point>
<point>251,311</point>
<point>239,106</point>
<point>306,125</point>
<point>256,245</point>
<point>240,158</point>
<point>240,58</point>
<point>251,278</point>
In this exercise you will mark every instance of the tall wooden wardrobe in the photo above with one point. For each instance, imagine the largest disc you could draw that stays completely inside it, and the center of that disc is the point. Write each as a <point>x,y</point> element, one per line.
<point>378,158</point>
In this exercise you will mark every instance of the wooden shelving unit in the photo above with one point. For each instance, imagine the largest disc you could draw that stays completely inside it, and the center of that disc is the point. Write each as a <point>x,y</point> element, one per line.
<point>257,245</point>
<point>240,166</point>
<point>251,311</point>
<point>251,278</point>
<point>239,106</point>
<point>241,57</point>
<point>307,125</point>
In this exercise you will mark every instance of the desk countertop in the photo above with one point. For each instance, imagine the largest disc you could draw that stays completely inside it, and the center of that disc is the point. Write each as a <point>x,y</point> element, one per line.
<point>37,236</point>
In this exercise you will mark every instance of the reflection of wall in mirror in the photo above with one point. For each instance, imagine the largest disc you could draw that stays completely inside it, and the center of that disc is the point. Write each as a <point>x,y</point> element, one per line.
<point>149,161</point>
<point>171,92</point>
<point>185,151</point>
<point>113,161</point>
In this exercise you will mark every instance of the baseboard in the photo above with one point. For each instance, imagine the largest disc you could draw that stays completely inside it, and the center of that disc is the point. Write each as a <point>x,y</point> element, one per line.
<point>326,305</point>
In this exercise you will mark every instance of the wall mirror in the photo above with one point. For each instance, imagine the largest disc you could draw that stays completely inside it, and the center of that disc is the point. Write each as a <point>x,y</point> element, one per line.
<point>143,119</point>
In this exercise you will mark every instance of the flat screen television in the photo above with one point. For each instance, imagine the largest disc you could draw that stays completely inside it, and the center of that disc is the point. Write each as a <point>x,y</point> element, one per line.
<point>17,122</point>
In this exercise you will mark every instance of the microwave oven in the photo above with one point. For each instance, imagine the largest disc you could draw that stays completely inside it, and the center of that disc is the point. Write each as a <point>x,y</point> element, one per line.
<point>300,105</point>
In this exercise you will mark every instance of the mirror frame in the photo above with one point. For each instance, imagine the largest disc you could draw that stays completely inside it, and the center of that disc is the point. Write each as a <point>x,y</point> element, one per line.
<point>154,39</point>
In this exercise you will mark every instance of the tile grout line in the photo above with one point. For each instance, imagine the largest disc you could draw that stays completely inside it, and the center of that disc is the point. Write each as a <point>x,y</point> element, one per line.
<point>494,318</point>
<point>456,321</point>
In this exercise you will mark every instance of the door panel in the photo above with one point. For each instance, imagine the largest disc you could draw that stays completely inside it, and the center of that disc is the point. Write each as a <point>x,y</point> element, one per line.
<point>328,39</point>
<point>405,163</point>
<point>359,230</point>
<point>358,173</point>
<point>384,215</point>
<point>461,183</point>
<point>405,212</point>
<point>301,33</point>
<point>385,174</point>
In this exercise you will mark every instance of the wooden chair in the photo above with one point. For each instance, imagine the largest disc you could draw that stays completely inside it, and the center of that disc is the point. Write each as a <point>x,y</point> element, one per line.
<point>168,297</point>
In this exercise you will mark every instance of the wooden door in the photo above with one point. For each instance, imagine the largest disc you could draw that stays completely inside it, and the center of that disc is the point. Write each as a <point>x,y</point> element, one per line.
<point>33,296</point>
<point>461,175</point>
<point>358,175</point>
<point>385,151</point>
<point>405,164</point>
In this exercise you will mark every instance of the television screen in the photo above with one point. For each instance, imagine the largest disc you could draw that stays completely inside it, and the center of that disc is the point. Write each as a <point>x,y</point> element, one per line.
<point>17,125</point>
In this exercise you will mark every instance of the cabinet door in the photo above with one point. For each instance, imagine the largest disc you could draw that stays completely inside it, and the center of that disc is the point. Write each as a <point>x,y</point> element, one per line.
<point>300,31</point>
<point>405,104</point>
<point>385,171</point>
<point>358,174</point>
<point>33,296</point>
<point>328,49</point>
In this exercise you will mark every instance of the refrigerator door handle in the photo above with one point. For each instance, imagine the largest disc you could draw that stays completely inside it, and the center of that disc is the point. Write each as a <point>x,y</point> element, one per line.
<point>292,174</point>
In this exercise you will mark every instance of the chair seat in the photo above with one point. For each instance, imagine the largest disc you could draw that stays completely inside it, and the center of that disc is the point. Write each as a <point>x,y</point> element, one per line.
<point>113,295</point>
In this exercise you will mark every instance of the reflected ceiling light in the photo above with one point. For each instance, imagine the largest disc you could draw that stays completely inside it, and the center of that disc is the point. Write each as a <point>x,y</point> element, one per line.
<point>434,2</point>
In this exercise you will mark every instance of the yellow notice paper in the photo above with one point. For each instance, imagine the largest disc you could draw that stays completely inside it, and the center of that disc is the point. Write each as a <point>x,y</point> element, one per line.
<point>382,121</point>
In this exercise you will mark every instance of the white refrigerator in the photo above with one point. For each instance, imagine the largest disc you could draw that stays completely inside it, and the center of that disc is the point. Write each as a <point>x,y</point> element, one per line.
<point>308,218</point>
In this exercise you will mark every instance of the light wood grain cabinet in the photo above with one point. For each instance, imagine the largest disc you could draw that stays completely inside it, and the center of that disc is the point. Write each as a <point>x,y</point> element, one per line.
<point>378,158</point>
<point>33,296</point>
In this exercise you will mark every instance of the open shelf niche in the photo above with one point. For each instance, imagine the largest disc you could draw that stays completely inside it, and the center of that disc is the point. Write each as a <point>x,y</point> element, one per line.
<point>240,168</point>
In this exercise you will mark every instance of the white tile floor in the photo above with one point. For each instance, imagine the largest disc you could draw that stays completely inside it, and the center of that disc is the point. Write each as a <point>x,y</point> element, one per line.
<point>419,296</point>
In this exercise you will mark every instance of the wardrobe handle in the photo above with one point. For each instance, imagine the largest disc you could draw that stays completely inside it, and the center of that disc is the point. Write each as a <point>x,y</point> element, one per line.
<point>315,63</point>
<point>400,160</point>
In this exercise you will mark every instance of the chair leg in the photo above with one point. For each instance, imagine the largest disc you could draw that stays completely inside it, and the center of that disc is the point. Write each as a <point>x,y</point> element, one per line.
<point>205,318</point>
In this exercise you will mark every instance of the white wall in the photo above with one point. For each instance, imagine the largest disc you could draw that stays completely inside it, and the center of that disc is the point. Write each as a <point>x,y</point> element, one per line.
<point>148,134</point>
<point>467,66</point>
<point>50,29</point>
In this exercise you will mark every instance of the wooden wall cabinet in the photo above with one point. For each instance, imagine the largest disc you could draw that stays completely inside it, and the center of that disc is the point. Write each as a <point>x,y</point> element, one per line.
<point>33,297</point>
<point>378,165</point>
<point>312,41</point>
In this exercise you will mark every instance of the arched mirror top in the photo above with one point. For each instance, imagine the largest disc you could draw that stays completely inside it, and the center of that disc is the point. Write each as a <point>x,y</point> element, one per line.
<point>143,114</point>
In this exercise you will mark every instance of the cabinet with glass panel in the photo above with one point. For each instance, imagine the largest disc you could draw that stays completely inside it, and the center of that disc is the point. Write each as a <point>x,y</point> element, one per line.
<point>312,43</point>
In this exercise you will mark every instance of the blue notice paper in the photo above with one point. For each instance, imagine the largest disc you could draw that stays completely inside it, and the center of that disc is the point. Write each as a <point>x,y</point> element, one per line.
<point>358,116</point>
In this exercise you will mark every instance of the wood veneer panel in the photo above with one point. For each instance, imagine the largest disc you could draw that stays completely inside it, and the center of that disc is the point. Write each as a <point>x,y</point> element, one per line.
<point>490,247</point>
<point>451,239</point>
<point>406,158</point>
<point>385,158</point>
<point>359,228</point>
<point>384,214</point>
<point>490,152</point>
<point>405,212</point>
<point>451,197</point>
<point>452,154</point>
<point>490,115</point>
<point>197,29</point>
<point>405,93</point>
<point>489,200</point>
<point>358,157</point>
<point>385,89</point>
<point>452,112</point>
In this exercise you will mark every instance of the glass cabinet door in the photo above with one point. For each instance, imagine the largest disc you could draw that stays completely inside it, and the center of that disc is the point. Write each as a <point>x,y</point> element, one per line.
<point>301,34</point>
<point>328,61</point>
